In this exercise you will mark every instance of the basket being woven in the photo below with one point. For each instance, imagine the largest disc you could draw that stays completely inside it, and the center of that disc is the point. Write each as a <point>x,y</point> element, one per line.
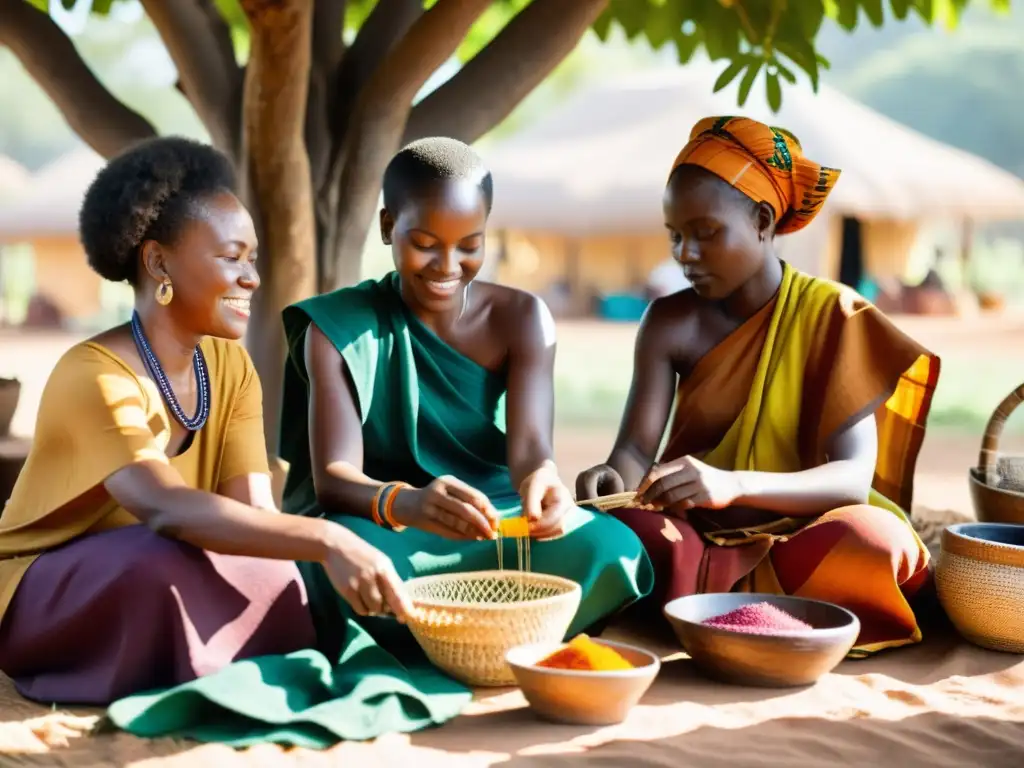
<point>997,484</point>
<point>980,583</point>
<point>467,622</point>
<point>616,501</point>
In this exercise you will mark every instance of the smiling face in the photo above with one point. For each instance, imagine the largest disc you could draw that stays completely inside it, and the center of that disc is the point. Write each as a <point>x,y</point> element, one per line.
<point>212,267</point>
<point>437,242</point>
<point>721,237</point>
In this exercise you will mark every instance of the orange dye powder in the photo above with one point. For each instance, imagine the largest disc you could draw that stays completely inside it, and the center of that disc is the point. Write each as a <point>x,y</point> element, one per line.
<point>583,653</point>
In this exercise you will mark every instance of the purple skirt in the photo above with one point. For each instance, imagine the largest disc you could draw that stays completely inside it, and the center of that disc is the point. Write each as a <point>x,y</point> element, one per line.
<point>128,610</point>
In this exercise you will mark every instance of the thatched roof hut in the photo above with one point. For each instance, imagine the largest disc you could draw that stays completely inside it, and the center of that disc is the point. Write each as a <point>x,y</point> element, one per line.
<point>580,188</point>
<point>48,203</point>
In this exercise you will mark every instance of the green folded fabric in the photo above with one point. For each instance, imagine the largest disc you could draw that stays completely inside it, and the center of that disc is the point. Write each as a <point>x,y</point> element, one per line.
<point>300,699</point>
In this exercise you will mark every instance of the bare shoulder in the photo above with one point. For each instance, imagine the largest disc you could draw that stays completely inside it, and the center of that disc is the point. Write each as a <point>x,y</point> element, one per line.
<point>505,298</point>
<point>671,315</point>
<point>520,316</point>
<point>320,357</point>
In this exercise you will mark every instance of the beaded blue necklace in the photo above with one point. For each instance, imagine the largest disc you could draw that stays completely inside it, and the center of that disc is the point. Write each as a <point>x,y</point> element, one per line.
<point>156,372</point>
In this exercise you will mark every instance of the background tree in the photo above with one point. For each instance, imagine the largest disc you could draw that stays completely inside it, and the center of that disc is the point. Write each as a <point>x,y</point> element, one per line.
<point>310,98</point>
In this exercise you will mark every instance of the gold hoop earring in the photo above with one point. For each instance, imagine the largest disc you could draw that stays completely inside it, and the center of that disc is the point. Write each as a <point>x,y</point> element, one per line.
<point>164,292</point>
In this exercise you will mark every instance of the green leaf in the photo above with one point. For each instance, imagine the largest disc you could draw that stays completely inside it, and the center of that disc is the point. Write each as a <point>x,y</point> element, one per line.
<point>874,11</point>
<point>846,14</point>
<point>774,91</point>
<point>946,14</point>
<point>686,46</point>
<point>748,80</point>
<point>729,74</point>
<point>900,8</point>
<point>801,53</point>
<point>101,7</point>
<point>42,5</point>
<point>721,27</point>
<point>785,71</point>
<point>631,15</point>
<point>68,4</point>
<point>810,14</point>
<point>663,21</point>
<point>602,25</point>
<point>925,9</point>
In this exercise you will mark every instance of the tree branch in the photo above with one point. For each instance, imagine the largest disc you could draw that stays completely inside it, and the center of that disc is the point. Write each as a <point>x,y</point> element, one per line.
<point>388,22</point>
<point>489,86</point>
<point>328,25</point>
<point>49,56</point>
<point>381,113</point>
<point>327,50</point>
<point>199,42</point>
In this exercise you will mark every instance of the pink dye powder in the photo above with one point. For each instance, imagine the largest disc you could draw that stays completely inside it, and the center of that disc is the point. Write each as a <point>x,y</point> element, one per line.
<point>758,619</point>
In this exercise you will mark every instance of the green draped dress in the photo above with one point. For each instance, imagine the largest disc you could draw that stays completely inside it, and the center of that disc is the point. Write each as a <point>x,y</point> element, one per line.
<point>427,410</point>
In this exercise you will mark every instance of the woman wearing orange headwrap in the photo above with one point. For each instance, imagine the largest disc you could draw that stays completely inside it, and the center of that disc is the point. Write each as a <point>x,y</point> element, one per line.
<point>800,408</point>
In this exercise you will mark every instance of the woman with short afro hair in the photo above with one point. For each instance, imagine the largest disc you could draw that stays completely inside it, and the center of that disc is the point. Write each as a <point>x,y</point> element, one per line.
<point>141,546</point>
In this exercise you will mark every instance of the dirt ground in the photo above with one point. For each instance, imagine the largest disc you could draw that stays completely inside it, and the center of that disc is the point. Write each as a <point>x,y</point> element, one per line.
<point>24,734</point>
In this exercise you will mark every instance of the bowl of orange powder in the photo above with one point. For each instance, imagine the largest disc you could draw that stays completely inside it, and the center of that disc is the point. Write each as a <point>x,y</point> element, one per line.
<point>760,639</point>
<point>586,681</point>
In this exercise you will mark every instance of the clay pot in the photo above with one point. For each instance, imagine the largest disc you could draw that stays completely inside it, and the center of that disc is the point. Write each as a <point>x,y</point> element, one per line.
<point>10,391</point>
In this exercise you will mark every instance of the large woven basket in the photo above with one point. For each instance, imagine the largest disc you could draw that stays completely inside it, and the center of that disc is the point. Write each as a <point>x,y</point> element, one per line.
<point>467,622</point>
<point>997,483</point>
<point>980,582</point>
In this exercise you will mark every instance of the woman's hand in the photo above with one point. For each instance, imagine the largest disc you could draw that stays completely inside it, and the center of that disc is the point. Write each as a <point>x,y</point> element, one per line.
<point>601,480</point>
<point>686,483</point>
<point>365,577</point>
<point>546,502</point>
<point>449,508</point>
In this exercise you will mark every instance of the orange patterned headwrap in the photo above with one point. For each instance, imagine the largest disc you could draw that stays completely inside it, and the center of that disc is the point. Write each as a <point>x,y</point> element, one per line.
<point>764,163</point>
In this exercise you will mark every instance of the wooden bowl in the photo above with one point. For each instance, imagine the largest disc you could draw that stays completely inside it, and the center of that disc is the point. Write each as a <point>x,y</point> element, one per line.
<point>579,696</point>
<point>993,504</point>
<point>980,582</point>
<point>774,661</point>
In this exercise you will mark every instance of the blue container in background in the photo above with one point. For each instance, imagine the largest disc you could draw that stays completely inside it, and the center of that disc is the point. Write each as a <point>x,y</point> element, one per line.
<point>621,307</point>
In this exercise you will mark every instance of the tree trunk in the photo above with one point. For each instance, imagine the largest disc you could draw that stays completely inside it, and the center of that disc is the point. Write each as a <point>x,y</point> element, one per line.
<point>276,88</point>
<point>357,212</point>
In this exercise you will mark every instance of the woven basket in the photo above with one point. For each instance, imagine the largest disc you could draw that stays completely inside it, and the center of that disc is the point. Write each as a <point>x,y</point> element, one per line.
<point>616,501</point>
<point>467,622</point>
<point>997,484</point>
<point>980,582</point>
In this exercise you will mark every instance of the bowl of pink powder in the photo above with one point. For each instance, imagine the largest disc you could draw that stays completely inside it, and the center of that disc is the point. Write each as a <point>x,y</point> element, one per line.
<point>762,640</point>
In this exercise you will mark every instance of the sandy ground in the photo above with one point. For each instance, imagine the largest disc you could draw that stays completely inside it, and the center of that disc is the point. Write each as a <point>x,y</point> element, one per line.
<point>943,703</point>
